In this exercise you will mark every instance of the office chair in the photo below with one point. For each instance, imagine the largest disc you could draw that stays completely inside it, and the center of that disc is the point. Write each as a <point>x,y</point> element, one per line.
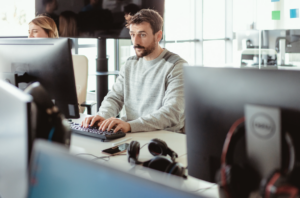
<point>80,64</point>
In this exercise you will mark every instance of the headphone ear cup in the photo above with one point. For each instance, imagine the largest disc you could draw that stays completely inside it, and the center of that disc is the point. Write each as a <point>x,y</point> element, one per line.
<point>159,141</point>
<point>158,147</point>
<point>175,169</point>
<point>241,180</point>
<point>133,152</point>
<point>159,163</point>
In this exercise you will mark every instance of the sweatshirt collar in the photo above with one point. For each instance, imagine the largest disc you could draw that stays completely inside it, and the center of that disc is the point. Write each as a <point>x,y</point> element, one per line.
<point>154,61</point>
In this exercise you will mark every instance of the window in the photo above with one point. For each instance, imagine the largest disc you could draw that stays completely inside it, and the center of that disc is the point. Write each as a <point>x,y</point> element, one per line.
<point>15,16</point>
<point>197,30</point>
<point>214,19</point>
<point>214,53</point>
<point>88,47</point>
<point>179,28</point>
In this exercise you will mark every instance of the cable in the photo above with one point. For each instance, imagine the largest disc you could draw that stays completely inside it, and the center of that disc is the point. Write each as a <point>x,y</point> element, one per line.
<point>86,154</point>
<point>96,157</point>
<point>144,145</point>
<point>182,155</point>
<point>103,158</point>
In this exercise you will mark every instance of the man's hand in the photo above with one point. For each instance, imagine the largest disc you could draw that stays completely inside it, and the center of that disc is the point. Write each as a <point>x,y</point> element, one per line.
<point>92,120</point>
<point>115,122</point>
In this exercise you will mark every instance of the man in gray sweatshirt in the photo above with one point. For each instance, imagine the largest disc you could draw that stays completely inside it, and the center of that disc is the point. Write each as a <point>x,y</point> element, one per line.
<point>149,86</point>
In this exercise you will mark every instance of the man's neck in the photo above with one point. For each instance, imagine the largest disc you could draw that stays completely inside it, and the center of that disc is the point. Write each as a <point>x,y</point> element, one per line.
<point>154,54</point>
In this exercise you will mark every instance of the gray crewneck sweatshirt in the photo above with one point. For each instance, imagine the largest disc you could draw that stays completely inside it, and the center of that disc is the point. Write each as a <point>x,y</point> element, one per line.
<point>151,92</point>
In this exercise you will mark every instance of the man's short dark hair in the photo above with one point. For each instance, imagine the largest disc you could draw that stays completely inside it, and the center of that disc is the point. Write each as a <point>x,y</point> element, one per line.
<point>146,15</point>
<point>131,9</point>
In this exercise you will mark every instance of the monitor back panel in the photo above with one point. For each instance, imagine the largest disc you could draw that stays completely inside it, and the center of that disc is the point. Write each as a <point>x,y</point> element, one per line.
<point>215,99</point>
<point>47,61</point>
<point>14,130</point>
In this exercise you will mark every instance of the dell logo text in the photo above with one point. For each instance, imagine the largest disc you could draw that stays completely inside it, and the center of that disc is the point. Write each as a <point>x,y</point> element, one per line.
<point>263,125</point>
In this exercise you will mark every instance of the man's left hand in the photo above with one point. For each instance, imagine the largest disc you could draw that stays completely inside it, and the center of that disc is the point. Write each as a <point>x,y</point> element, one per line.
<point>115,122</point>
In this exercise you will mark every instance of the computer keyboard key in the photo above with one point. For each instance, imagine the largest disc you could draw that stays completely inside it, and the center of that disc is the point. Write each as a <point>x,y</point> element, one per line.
<point>93,131</point>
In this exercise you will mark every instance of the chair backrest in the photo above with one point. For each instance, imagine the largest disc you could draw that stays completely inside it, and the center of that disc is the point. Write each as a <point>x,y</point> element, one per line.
<point>80,64</point>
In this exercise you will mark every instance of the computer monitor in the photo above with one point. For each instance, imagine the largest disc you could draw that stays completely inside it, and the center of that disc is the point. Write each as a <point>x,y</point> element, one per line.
<point>94,19</point>
<point>15,127</point>
<point>215,98</point>
<point>48,61</point>
<point>54,172</point>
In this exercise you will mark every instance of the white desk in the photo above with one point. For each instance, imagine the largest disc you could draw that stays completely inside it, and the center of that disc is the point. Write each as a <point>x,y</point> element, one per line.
<point>176,141</point>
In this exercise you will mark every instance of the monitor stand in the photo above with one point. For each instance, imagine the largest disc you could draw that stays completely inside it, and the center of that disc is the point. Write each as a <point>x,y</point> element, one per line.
<point>16,78</point>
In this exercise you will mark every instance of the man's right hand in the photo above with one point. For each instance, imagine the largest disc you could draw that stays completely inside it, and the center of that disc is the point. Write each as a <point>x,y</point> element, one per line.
<point>90,121</point>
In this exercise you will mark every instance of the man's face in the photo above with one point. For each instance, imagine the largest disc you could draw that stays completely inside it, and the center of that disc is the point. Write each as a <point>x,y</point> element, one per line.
<point>144,42</point>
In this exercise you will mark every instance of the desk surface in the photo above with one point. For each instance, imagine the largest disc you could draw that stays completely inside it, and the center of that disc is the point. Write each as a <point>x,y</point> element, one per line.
<point>176,141</point>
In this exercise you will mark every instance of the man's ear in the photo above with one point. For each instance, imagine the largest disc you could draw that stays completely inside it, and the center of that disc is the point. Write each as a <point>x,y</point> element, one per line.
<point>158,35</point>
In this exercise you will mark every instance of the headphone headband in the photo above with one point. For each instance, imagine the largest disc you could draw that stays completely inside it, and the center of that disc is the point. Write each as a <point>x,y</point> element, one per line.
<point>160,147</point>
<point>229,169</point>
<point>292,154</point>
<point>236,132</point>
<point>233,135</point>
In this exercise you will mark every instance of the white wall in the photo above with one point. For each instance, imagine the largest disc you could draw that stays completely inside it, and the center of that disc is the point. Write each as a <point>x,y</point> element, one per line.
<point>265,8</point>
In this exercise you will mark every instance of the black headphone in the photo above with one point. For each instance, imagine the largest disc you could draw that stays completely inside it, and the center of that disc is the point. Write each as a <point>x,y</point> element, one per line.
<point>278,182</point>
<point>160,162</point>
<point>238,180</point>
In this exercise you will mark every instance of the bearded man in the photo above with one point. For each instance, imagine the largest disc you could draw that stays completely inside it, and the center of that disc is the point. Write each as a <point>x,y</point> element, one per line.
<point>149,86</point>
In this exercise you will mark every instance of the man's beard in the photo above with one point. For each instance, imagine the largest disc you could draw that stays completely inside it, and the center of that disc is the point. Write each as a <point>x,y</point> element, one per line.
<point>146,51</point>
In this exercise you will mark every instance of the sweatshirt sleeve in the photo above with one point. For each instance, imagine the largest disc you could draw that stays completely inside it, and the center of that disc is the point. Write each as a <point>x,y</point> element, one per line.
<point>113,102</point>
<point>172,109</point>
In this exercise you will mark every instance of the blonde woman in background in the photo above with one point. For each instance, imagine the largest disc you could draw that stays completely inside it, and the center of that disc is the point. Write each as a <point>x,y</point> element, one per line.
<point>42,27</point>
<point>68,24</point>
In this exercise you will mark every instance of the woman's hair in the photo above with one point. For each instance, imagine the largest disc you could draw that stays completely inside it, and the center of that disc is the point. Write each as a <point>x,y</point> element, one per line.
<point>47,24</point>
<point>68,24</point>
